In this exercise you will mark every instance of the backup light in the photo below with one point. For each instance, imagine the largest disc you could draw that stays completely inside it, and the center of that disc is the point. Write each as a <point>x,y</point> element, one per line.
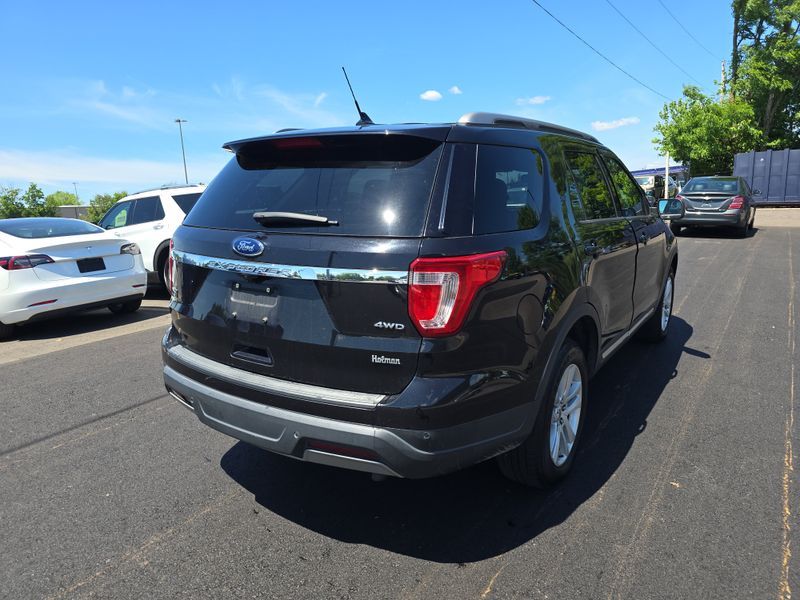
<point>441,290</point>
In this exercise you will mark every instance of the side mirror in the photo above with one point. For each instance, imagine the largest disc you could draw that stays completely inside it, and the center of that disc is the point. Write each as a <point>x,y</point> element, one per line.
<point>672,208</point>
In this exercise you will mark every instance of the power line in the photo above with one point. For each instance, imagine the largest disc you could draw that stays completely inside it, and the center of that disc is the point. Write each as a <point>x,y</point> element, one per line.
<point>686,30</point>
<point>647,39</point>
<point>600,54</point>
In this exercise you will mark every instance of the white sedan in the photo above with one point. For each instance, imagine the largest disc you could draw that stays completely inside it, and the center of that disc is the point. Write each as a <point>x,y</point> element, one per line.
<point>50,266</point>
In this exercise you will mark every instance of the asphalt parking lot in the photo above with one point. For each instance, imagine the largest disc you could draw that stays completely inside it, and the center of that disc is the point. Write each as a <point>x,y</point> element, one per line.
<point>686,485</point>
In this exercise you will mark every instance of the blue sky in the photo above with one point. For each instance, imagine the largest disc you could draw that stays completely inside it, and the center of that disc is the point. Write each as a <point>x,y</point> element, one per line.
<point>90,90</point>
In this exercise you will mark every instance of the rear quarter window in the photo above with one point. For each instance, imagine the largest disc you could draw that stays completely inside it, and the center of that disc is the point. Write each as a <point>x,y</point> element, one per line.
<point>508,189</point>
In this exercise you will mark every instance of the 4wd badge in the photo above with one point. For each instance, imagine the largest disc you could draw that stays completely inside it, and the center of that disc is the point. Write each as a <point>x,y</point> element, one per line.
<point>385,325</point>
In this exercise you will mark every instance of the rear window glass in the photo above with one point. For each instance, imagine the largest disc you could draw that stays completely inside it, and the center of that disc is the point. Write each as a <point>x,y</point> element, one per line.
<point>373,185</point>
<point>508,189</point>
<point>46,227</point>
<point>186,201</point>
<point>727,185</point>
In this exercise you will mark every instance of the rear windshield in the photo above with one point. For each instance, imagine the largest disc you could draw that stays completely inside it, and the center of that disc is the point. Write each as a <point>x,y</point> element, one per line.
<point>727,185</point>
<point>43,227</point>
<point>373,185</point>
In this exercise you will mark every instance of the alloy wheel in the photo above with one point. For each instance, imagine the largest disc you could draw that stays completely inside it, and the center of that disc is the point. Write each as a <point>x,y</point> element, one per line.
<point>566,414</point>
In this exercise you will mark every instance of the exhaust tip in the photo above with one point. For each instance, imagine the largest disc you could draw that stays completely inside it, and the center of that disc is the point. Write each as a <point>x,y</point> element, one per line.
<point>181,398</point>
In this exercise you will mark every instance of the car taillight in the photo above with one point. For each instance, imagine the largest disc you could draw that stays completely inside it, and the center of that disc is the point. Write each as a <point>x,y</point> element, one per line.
<point>16,263</point>
<point>441,290</point>
<point>736,202</point>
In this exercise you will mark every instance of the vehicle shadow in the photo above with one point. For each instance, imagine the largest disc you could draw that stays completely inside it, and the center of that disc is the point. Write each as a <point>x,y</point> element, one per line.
<point>721,233</point>
<point>156,304</point>
<point>473,514</point>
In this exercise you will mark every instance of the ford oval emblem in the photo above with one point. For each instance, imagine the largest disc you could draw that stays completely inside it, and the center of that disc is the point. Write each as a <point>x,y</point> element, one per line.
<point>246,246</point>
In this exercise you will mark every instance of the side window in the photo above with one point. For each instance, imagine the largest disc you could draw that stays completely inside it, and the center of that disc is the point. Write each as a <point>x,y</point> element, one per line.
<point>589,194</point>
<point>117,216</point>
<point>628,191</point>
<point>147,210</point>
<point>186,201</point>
<point>508,189</point>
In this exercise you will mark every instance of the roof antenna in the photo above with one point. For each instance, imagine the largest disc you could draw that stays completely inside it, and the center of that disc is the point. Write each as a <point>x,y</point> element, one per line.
<point>363,118</point>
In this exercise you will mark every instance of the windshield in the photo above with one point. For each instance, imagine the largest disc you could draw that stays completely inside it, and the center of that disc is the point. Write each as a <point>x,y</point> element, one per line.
<point>373,185</point>
<point>45,227</point>
<point>728,185</point>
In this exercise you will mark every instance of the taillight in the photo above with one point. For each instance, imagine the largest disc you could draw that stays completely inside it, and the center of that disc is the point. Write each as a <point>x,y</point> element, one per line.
<point>130,249</point>
<point>736,202</point>
<point>441,290</point>
<point>16,263</point>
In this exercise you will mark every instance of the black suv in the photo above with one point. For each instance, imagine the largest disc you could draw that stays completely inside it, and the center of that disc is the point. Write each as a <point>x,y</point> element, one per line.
<point>409,300</point>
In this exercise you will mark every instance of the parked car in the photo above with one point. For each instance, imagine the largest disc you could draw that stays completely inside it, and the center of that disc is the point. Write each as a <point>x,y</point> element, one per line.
<point>717,202</point>
<point>50,266</point>
<point>653,185</point>
<point>150,218</point>
<point>409,300</point>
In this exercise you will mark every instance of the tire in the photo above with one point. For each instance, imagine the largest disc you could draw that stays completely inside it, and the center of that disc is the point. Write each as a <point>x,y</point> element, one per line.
<point>6,331</point>
<point>163,262</point>
<point>741,232</point>
<point>656,327</point>
<point>675,229</point>
<point>533,463</point>
<point>122,308</point>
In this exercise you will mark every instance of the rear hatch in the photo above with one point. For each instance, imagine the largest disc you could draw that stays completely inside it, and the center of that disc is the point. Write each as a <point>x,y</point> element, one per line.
<point>321,304</point>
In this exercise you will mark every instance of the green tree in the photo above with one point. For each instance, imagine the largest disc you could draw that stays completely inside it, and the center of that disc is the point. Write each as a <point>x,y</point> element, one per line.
<point>765,66</point>
<point>705,134</point>
<point>31,203</point>
<point>101,203</point>
<point>60,198</point>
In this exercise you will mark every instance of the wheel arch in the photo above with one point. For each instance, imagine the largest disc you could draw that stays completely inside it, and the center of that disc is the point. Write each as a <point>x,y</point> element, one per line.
<point>161,251</point>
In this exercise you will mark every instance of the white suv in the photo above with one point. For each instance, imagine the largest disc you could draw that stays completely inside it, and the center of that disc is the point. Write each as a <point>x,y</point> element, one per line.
<point>150,218</point>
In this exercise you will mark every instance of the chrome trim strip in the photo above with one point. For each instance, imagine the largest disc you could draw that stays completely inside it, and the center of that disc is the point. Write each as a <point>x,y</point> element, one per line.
<point>348,462</point>
<point>249,267</point>
<point>628,333</point>
<point>263,383</point>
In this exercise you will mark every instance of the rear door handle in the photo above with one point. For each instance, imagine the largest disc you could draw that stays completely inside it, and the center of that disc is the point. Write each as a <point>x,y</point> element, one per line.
<point>158,226</point>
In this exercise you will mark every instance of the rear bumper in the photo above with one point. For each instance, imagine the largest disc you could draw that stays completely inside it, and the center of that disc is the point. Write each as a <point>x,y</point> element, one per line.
<point>412,453</point>
<point>70,294</point>
<point>730,218</point>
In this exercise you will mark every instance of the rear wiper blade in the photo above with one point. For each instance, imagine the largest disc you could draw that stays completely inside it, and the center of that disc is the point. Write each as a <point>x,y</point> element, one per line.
<point>291,218</point>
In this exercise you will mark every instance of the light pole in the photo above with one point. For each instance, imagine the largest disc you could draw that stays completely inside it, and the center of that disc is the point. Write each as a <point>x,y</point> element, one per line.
<point>77,198</point>
<point>183,151</point>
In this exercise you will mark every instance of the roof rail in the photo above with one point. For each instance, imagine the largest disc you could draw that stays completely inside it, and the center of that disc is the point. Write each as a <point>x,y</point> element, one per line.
<point>169,186</point>
<point>499,120</point>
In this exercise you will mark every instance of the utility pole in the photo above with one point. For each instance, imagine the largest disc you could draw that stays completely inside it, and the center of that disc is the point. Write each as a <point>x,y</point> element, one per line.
<point>77,198</point>
<point>183,151</point>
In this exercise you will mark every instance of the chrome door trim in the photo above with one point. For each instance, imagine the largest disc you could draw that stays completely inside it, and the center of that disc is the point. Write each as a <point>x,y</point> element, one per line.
<point>250,267</point>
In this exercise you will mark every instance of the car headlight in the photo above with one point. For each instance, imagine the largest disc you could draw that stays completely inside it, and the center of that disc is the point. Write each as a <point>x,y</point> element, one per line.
<point>130,249</point>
